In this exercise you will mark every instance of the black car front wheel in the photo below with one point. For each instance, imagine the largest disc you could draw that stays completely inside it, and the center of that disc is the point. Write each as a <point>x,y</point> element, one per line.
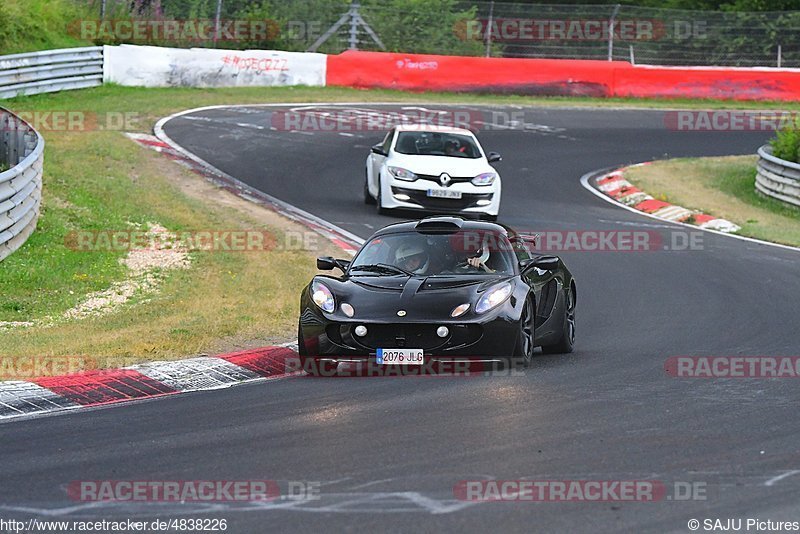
<point>379,201</point>
<point>367,197</point>
<point>523,351</point>
<point>315,367</point>
<point>311,365</point>
<point>566,344</point>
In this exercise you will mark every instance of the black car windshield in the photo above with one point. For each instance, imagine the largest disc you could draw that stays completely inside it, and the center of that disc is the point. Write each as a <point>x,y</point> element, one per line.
<point>463,253</point>
<point>437,144</point>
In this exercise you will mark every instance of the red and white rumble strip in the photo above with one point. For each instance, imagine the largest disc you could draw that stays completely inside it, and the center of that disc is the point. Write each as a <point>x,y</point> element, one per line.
<point>155,379</point>
<point>615,185</point>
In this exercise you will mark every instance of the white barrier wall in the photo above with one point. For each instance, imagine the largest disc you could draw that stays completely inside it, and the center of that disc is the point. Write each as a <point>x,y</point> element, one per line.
<point>153,66</point>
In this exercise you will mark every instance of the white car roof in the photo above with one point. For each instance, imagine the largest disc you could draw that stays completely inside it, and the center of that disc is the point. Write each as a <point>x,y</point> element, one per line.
<point>431,128</point>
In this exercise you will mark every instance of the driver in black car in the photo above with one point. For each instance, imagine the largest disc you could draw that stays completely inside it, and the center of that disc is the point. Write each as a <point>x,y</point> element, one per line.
<point>412,258</point>
<point>416,259</point>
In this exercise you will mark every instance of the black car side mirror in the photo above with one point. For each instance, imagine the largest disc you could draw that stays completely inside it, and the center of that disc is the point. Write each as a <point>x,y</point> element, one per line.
<point>545,263</point>
<point>378,149</point>
<point>327,263</point>
<point>493,157</point>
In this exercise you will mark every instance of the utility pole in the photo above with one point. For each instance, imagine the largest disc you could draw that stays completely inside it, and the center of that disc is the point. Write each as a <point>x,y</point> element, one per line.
<point>489,30</point>
<point>611,24</point>
<point>216,22</point>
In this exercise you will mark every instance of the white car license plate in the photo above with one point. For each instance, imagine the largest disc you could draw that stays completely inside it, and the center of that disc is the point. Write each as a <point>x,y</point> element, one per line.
<point>444,193</point>
<point>400,356</point>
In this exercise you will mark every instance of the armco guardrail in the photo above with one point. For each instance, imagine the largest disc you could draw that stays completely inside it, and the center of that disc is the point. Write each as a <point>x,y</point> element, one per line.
<point>778,178</point>
<point>21,149</point>
<point>50,71</point>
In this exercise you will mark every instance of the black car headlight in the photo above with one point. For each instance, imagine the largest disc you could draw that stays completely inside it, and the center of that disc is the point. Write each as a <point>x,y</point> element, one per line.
<point>493,297</point>
<point>322,297</point>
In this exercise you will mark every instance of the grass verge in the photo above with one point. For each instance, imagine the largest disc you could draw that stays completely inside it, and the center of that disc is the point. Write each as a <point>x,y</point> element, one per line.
<point>723,187</point>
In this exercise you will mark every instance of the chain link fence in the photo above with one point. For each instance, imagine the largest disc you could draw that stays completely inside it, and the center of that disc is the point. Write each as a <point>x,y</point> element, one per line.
<point>456,27</point>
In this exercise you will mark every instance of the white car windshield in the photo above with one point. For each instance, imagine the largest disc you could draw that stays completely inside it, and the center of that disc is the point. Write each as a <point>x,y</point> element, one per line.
<point>436,254</point>
<point>437,144</point>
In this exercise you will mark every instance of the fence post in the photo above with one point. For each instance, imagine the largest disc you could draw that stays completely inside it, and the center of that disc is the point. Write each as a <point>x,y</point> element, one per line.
<point>353,38</point>
<point>216,22</point>
<point>633,59</point>
<point>489,30</point>
<point>779,56</point>
<point>611,23</point>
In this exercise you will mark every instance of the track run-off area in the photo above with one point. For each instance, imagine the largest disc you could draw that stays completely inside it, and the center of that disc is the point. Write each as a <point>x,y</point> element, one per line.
<point>387,452</point>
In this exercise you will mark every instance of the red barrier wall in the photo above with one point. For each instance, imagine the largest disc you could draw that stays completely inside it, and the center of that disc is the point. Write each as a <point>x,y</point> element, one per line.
<point>709,82</point>
<point>415,72</point>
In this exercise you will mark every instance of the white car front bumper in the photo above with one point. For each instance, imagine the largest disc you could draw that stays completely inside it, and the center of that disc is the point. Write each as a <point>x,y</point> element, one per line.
<point>400,194</point>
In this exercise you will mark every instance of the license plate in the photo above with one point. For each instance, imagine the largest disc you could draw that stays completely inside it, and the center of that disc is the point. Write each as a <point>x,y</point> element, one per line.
<point>400,356</point>
<point>444,193</point>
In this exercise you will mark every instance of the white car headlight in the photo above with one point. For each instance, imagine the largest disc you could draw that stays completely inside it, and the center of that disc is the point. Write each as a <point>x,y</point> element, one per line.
<point>402,174</point>
<point>493,297</point>
<point>487,178</point>
<point>322,297</point>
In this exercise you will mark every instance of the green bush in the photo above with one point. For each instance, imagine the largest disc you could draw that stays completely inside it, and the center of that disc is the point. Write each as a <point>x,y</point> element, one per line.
<point>30,25</point>
<point>786,144</point>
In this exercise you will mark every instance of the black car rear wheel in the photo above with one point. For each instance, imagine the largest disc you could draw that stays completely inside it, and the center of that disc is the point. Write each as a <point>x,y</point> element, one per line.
<point>567,342</point>
<point>523,352</point>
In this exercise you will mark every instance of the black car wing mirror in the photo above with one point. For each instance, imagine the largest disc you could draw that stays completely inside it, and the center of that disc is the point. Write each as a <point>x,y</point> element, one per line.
<point>493,157</point>
<point>545,263</point>
<point>328,263</point>
<point>378,149</point>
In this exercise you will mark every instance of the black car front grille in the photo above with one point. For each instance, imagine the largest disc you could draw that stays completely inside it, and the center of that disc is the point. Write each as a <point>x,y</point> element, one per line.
<point>467,200</point>
<point>453,179</point>
<point>409,335</point>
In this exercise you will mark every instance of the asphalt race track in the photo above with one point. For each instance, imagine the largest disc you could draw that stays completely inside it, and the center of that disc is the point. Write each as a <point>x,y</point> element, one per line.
<point>388,451</point>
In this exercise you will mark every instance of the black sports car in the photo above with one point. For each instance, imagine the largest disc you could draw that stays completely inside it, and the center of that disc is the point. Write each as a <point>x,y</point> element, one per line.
<point>438,289</point>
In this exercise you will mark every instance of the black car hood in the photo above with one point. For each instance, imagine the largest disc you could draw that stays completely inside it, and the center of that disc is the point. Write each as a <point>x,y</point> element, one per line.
<point>433,298</point>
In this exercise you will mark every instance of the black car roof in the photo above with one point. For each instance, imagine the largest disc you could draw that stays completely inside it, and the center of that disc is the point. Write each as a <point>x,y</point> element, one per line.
<point>441,223</point>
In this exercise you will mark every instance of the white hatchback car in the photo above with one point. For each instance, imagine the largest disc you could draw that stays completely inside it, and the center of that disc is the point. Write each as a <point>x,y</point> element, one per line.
<point>433,168</point>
